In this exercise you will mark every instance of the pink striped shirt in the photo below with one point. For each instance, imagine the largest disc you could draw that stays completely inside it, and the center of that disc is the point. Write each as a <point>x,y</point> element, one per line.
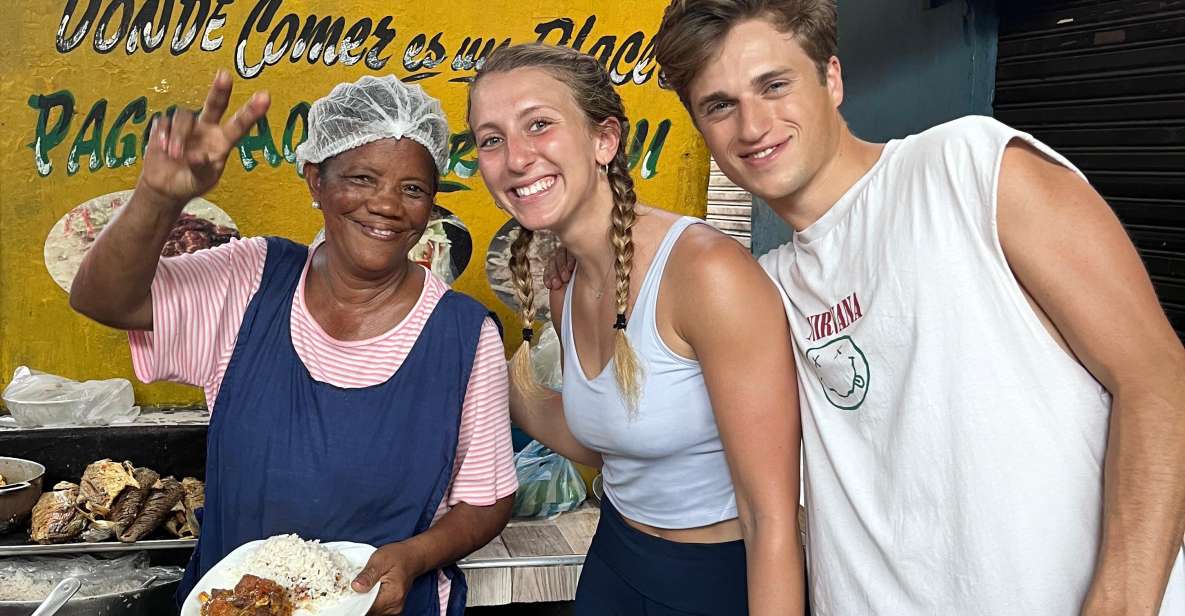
<point>198,303</point>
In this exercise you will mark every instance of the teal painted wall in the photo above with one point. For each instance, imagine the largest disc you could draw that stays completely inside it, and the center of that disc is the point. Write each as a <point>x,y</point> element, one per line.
<point>906,67</point>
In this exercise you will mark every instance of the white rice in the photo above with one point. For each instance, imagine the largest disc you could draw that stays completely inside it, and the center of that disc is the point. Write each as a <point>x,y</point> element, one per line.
<point>311,572</point>
<point>25,587</point>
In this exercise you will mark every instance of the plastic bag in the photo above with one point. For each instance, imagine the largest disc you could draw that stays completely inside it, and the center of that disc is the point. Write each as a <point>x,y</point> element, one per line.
<point>39,399</point>
<point>548,483</point>
<point>32,578</point>
<point>545,359</point>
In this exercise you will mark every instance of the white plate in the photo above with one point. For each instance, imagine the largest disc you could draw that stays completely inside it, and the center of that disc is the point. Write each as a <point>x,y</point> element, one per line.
<point>224,575</point>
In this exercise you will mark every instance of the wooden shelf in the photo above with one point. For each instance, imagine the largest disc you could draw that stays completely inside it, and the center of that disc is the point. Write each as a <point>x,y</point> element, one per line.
<point>532,561</point>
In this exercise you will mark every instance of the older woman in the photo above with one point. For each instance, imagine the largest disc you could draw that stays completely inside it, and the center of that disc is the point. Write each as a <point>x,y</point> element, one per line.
<point>353,395</point>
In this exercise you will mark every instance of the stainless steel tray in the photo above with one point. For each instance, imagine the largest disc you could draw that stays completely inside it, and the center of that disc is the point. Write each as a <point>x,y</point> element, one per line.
<point>153,601</point>
<point>31,549</point>
<point>517,562</point>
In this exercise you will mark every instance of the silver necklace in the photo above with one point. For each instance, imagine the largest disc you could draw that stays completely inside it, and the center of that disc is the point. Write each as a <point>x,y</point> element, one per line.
<point>601,292</point>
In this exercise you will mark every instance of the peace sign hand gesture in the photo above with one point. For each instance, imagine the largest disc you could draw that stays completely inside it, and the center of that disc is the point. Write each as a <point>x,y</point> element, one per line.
<point>186,154</point>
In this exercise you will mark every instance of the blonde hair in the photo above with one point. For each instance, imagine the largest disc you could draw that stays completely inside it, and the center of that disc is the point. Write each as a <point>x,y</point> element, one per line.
<point>521,370</point>
<point>593,91</point>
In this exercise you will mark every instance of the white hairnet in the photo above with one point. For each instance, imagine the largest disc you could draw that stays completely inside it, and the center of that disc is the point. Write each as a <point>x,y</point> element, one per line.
<point>370,109</point>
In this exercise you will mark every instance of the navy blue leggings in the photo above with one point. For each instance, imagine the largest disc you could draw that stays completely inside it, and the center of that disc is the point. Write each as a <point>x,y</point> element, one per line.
<point>630,573</point>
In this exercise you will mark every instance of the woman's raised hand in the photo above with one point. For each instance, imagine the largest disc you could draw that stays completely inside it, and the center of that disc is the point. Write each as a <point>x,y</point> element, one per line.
<point>187,153</point>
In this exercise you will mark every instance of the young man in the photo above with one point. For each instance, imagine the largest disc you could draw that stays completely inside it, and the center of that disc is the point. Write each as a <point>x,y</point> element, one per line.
<point>993,400</point>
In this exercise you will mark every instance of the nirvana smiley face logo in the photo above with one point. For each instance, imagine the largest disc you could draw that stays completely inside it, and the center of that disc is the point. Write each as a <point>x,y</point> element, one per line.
<point>842,371</point>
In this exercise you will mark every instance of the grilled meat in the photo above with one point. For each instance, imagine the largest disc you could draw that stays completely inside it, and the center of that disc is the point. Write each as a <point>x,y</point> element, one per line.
<point>129,504</point>
<point>195,493</point>
<point>164,494</point>
<point>103,482</point>
<point>193,499</point>
<point>99,530</point>
<point>56,518</point>
<point>176,524</point>
<point>252,596</point>
<point>183,520</point>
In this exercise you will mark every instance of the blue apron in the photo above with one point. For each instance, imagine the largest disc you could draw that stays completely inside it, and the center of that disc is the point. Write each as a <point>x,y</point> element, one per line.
<point>289,454</point>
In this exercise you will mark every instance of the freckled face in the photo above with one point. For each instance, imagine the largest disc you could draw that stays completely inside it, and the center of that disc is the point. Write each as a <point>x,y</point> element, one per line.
<point>537,151</point>
<point>376,199</point>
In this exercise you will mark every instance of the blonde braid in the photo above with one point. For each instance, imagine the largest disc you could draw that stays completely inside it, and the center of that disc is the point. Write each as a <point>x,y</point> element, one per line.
<point>521,370</point>
<point>593,91</point>
<point>625,361</point>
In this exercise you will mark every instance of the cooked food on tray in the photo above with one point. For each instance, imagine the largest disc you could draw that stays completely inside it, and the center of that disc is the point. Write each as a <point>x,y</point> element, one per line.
<point>129,504</point>
<point>2,482</point>
<point>56,518</point>
<point>194,496</point>
<point>182,520</point>
<point>159,504</point>
<point>102,483</point>
<point>118,501</point>
<point>252,596</point>
<point>98,530</point>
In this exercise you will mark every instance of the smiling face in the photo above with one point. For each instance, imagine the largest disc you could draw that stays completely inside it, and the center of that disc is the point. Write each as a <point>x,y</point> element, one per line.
<point>766,117</point>
<point>537,150</point>
<point>376,199</point>
<point>842,371</point>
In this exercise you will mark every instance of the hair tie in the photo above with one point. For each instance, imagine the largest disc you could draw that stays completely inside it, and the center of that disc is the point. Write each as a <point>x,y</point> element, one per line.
<point>620,324</point>
<point>528,333</point>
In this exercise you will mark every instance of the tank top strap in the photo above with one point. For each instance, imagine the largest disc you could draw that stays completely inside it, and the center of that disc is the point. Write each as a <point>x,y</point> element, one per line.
<point>566,319</point>
<point>648,293</point>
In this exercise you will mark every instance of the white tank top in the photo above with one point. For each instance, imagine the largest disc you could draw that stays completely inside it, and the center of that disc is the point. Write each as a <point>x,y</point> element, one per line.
<point>953,450</point>
<point>664,466</point>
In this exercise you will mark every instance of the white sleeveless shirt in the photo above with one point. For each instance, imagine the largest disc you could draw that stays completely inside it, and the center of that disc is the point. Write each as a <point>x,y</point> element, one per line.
<point>665,465</point>
<point>953,451</point>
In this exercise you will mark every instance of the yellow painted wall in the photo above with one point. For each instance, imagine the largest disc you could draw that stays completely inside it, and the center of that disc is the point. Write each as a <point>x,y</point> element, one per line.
<point>38,328</point>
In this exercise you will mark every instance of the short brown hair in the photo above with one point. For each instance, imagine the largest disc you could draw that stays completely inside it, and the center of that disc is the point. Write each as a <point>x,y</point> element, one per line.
<point>692,30</point>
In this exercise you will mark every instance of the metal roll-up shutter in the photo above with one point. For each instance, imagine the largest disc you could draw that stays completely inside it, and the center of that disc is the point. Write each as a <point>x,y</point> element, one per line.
<point>730,208</point>
<point>1103,82</point>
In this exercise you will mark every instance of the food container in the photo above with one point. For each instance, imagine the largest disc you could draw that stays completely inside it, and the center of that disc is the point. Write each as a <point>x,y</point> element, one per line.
<point>40,399</point>
<point>123,586</point>
<point>34,413</point>
<point>156,600</point>
<point>20,493</point>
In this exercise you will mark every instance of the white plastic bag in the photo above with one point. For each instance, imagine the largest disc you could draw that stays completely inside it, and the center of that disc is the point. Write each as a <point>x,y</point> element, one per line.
<point>39,399</point>
<point>545,359</point>
<point>32,578</point>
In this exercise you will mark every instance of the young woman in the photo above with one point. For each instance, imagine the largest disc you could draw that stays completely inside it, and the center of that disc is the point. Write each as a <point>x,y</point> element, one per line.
<point>679,377</point>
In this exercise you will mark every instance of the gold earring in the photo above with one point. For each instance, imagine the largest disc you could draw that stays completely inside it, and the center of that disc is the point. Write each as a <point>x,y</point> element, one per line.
<point>316,205</point>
